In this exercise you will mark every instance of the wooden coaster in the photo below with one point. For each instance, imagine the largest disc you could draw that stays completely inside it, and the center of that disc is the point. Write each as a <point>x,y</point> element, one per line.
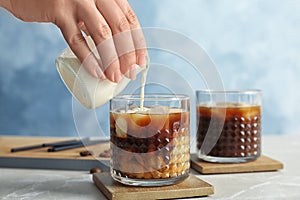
<point>191,187</point>
<point>262,164</point>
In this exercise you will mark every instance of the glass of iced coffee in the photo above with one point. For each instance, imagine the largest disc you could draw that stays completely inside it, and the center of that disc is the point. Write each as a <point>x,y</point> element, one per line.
<point>150,139</point>
<point>229,125</point>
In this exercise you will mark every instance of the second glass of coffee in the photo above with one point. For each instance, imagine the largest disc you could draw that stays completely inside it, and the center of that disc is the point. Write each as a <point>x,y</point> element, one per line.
<point>229,125</point>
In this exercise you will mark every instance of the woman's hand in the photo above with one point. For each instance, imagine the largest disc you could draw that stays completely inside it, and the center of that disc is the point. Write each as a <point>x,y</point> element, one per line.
<point>112,24</point>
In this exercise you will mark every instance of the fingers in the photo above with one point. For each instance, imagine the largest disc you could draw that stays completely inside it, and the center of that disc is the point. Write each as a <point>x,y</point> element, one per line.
<point>115,31</point>
<point>121,35</point>
<point>100,32</point>
<point>136,32</point>
<point>77,43</point>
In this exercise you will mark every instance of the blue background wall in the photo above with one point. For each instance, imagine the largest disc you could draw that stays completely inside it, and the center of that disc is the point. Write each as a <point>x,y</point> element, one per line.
<point>255,44</point>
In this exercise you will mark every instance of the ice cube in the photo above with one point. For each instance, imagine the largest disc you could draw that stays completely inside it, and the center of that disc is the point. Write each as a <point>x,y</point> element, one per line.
<point>121,127</point>
<point>141,119</point>
<point>159,110</point>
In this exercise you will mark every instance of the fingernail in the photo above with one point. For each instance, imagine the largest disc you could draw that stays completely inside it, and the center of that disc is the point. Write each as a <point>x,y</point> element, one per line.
<point>141,60</point>
<point>132,72</point>
<point>117,76</point>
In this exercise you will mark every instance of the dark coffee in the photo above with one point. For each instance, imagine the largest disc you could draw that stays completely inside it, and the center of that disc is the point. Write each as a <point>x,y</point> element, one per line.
<point>150,145</point>
<point>241,132</point>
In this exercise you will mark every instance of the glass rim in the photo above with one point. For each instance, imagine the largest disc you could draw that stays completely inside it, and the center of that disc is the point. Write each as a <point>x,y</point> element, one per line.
<point>243,91</point>
<point>152,97</point>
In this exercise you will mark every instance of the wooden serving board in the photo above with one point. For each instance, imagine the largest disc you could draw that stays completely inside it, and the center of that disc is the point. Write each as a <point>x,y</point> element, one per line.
<point>191,187</point>
<point>42,159</point>
<point>262,164</point>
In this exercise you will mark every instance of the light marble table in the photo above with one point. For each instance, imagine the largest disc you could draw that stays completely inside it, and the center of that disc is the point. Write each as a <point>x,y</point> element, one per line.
<point>23,184</point>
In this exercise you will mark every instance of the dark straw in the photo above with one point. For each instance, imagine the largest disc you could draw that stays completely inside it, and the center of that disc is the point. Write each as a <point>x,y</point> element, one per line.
<point>55,144</point>
<point>63,143</point>
<point>61,148</point>
<point>26,148</point>
<point>81,144</point>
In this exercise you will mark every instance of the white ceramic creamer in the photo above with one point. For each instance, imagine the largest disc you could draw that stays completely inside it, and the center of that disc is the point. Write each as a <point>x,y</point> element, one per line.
<point>89,91</point>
